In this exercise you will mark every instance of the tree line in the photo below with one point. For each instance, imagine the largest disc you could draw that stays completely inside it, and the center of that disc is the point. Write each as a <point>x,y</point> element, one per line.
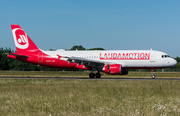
<point>80,47</point>
<point>15,65</point>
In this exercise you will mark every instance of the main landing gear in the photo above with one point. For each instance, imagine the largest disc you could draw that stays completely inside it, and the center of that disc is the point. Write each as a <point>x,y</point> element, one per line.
<point>153,75</point>
<point>92,75</point>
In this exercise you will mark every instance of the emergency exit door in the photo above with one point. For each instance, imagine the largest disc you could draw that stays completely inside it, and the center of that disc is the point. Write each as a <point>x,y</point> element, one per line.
<point>40,57</point>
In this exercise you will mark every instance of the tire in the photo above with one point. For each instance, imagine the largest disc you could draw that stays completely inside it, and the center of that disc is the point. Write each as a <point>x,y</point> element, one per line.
<point>98,75</point>
<point>91,75</point>
<point>153,76</point>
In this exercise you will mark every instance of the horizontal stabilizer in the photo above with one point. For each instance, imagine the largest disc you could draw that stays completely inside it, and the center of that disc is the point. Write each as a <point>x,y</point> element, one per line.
<point>16,55</point>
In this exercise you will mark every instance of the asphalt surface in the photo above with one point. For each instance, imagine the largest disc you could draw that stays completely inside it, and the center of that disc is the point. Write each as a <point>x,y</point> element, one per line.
<point>86,78</point>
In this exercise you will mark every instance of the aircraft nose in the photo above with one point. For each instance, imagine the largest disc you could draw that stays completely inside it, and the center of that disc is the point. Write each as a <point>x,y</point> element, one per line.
<point>173,62</point>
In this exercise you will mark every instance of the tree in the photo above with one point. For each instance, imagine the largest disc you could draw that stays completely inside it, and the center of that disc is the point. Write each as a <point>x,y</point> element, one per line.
<point>80,47</point>
<point>51,49</point>
<point>5,62</point>
<point>96,49</point>
<point>177,59</point>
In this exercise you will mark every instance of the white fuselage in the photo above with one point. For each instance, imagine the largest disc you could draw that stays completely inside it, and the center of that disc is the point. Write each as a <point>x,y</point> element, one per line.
<point>127,58</point>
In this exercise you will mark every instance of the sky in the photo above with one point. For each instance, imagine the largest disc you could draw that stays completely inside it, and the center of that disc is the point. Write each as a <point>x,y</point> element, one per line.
<point>112,25</point>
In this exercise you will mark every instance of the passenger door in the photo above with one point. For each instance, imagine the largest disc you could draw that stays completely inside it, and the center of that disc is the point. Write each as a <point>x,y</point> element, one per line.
<point>152,57</point>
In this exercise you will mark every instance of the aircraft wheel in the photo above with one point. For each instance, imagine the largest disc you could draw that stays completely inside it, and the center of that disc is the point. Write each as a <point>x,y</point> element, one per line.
<point>98,75</point>
<point>91,75</point>
<point>153,76</point>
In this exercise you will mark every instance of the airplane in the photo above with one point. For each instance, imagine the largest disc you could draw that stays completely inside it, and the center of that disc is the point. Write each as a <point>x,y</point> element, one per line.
<point>113,62</point>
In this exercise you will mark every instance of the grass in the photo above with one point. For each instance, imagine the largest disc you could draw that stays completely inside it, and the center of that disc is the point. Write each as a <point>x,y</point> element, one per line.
<point>86,74</point>
<point>89,97</point>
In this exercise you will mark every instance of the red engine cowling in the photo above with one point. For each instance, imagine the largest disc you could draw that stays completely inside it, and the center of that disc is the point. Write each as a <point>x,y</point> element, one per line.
<point>115,69</point>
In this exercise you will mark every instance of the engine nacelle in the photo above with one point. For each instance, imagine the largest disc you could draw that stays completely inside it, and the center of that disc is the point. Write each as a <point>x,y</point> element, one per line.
<point>115,69</point>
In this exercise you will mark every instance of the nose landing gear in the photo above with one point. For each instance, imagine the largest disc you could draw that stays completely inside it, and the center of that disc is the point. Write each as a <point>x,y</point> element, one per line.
<point>153,75</point>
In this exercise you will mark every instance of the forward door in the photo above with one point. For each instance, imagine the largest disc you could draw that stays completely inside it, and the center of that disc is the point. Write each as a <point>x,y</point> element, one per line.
<point>153,57</point>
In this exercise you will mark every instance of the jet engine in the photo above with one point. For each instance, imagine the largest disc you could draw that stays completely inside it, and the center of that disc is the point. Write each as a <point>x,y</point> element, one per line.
<point>115,69</point>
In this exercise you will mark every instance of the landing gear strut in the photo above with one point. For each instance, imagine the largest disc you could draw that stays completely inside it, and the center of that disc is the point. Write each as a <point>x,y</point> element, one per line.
<point>152,73</point>
<point>92,75</point>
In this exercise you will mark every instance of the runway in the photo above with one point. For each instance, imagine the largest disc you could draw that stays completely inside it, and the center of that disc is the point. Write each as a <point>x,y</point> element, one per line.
<point>86,78</point>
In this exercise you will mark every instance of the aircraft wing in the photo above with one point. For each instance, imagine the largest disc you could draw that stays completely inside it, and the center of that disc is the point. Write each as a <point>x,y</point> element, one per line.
<point>78,59</point>
<point>86,62</point>
<point>90,62</point>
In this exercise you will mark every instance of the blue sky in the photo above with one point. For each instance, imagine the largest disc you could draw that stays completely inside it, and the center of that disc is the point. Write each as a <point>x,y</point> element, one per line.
<point>113,25</point>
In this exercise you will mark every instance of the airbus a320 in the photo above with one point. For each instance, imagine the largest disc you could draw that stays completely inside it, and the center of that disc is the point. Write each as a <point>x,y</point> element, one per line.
<point>113,62</point>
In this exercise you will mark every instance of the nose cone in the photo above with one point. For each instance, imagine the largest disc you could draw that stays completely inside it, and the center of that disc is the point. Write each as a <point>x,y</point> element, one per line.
<point>173,62</point>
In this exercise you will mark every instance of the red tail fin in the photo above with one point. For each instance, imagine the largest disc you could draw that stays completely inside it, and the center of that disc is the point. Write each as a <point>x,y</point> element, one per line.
<point>22,40</point>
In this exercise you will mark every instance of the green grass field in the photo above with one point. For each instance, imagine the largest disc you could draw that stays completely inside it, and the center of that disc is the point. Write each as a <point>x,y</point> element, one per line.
<point>89,97</point>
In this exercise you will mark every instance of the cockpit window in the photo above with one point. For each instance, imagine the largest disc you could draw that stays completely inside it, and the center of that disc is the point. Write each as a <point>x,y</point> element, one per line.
<point>165,56</point>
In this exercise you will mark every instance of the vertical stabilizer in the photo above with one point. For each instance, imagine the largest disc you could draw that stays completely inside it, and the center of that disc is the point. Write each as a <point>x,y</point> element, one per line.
<point>22,41</point>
